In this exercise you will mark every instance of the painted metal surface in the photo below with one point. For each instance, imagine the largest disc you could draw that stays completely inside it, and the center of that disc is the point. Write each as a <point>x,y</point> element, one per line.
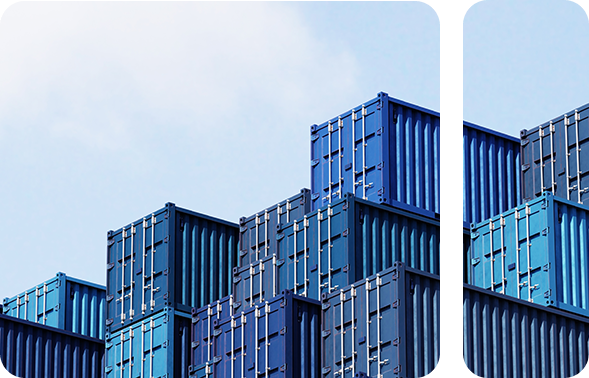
<point>257,233</point>
<point>201,371</point>
<point>63,302</point>
<point>280,338</point>
<point>171,258</point>
<point>203,329</point>
<point>555,157</point>
<point>386,326</point>
<point>537,252</point>
<point>32,350</point>
<point>337,245</point>
<point>385,150</point>
<point>491,174</point>
<point>508,337</point>
<point>467,257</point>
<point>157,346</point>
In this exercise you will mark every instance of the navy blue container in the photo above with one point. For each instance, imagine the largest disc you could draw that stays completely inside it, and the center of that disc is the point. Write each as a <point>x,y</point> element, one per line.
<point>466,255</point>
<point>492,183</point>
<point>281,338</point>
<point>555,157</point>
<point>171,258</point>
<point>386,325</point>
<point>257,233</point>
<point>31,350</point>
<point>201,371</point>
<point>337,245</point>
<point>385,150</point>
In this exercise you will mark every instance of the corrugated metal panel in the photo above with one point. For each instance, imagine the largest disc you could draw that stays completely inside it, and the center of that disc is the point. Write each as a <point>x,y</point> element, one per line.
<point>339,244</point>
<point>507,337</point>
<point>545,166</point>
<point>492,183</point>
<point>280,338</point>
<point>467,256</point>
<point>31,350</point>
<point>536,252</point>
<point>192,267</point>
<point>387,326</point>
<point>157,346</point>
<point>202,371</point>
<point>63,302</point>
<point>257,237</point>
<point>385,151</point>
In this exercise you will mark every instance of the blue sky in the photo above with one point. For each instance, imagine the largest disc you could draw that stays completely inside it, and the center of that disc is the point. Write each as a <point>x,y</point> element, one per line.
<point>110,110</point>
<point>525,62</point>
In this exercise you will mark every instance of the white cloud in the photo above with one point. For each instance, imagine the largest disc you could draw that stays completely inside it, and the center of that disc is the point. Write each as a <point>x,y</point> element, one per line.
<point>95,67</point>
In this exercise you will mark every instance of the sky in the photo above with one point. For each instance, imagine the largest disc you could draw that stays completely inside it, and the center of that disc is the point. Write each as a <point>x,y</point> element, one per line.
<point>525,62</point>
<point>110,110</point>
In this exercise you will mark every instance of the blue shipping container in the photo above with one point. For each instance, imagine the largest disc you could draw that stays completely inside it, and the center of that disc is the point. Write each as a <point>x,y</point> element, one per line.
<point>492,183</point>
<point>203,330</point>
<point>537,252</point>
<point>508,337</point>
<point>280,338</point>
<point>257,233</point>
<point>385,151</point>
<point>555,157</point>
<point>31,350</point>
<point>337,245</point>
<point>63,302</point>
<point>386,325</point>
<point>171,258</point>
<point>201,371</point>
<point>157,346</point>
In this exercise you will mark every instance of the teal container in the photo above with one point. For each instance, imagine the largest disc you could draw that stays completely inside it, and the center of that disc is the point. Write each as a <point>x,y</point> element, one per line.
<point>63,302</point>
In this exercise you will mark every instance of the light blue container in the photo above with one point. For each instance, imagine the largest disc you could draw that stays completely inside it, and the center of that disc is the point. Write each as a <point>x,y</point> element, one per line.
<point>537,252</point>
<point>385,150</point>
<point>172,257</point>
<point>62,302</point>
<point>156,346</point>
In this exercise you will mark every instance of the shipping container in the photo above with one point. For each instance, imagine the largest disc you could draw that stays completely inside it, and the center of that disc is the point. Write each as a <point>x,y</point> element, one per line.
<point>555,157</point>
<point>257,233</point>
<point>492,183</point>
<point>386,325</point>
<point>202,328</point>
<point>337,245</point>
<point>467,256</point>
<point>538,252</point>
<point>32,350</point>
<point>63,302</point>
<point>157,346</point>
<point>509,337</point>
<point>171,258</point>
<point>385,150</point>
<point>280,338</point>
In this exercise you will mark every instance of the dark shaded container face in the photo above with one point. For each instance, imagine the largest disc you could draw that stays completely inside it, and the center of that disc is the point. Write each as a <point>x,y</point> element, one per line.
<point>385,151</point>
<point>62,302</point>
<point>536,252</point>
<point>31,350</point>
<point>492,181</point>
<point>281,337</point>
<point>507,337</point>
<point>202,333</point>
<point>257,233</point>
<point>172,257</point>
<point>555,157</point>
<point>392,316</point>
<point>158,346</point>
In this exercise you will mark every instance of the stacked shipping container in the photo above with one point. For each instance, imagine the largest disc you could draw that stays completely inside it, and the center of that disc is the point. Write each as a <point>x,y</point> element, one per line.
<point>534,251</point>
<point>188,294</point>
